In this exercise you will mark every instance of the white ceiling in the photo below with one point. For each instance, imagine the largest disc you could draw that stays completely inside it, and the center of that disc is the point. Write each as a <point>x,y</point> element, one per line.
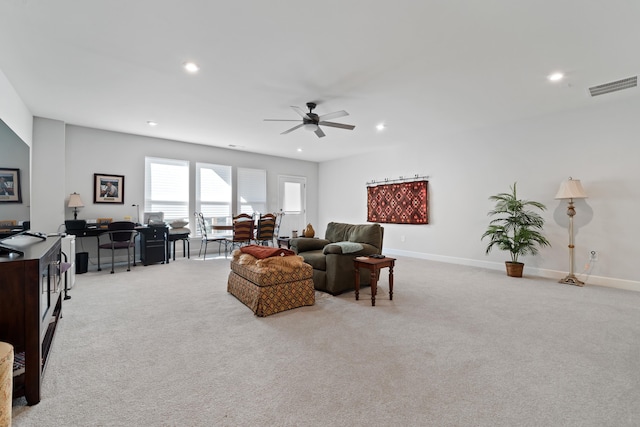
<point>424,68</point>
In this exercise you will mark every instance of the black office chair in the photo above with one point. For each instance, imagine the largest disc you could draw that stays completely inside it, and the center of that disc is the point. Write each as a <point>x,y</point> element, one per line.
<point>122,235</point>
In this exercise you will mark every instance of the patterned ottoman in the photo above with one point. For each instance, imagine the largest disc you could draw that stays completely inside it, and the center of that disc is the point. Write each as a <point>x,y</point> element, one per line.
<point>272,284</point>
<point>6,383</point>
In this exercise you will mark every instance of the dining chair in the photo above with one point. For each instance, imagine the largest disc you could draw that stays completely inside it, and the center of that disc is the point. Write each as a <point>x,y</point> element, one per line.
<point>276,228</point>
<point>242,232</point>
<point>121,235</point>
<point>265,231</point>
<point>206,237</point>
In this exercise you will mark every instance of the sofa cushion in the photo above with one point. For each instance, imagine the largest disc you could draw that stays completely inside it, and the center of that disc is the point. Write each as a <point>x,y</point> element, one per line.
<point>316,259</point>
<point>361,233</point>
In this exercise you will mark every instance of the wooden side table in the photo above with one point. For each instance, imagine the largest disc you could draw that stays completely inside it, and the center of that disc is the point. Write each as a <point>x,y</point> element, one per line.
<point>374,265</point>
<point>283,242</point>
<point>184,236</point>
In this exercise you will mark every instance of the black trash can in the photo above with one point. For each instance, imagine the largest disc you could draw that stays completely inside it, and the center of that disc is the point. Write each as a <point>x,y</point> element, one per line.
<point>82,262</point>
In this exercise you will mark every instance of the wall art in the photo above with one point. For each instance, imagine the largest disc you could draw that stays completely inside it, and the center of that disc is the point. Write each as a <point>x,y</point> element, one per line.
<point>108,188</point>
<point>10,185</point>
<point>400,203</point>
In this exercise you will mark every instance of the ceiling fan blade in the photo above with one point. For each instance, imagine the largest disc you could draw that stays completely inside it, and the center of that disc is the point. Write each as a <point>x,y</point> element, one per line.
<point>319,133</point>
<point>337,125</point>
<point>292,129</point>
<point>333,115</point>
<point>301,112</point>
<point>281,120</point>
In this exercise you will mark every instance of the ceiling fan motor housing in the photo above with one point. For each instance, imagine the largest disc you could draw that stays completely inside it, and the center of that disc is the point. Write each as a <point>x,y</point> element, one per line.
<point>312,120</point>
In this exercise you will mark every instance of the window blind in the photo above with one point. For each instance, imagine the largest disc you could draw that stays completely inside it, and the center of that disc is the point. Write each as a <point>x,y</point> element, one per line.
<point>252,190</point>
<point>166,187</point>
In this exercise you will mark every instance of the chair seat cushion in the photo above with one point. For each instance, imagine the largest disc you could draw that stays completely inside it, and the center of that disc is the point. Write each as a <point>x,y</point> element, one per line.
<point>116,245</point>
<point>181,230</point>
<point>179,223</point>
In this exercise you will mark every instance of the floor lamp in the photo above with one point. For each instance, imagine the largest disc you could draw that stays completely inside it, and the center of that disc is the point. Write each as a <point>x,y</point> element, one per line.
<point>571,189</point>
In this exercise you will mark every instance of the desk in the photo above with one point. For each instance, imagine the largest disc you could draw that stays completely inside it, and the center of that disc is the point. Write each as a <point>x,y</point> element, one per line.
<point>150,238</point>
<point>374,265</point>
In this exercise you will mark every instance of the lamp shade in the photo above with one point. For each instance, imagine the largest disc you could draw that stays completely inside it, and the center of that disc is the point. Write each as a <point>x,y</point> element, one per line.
<point>571,189</point>
<point>75,201</point>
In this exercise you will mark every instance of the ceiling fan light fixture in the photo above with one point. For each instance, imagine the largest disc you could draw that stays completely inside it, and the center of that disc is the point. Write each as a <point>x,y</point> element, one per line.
<point>311,127</point>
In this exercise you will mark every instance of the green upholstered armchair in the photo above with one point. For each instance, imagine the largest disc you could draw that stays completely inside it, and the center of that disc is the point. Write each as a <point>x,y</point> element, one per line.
<point>332,257</point>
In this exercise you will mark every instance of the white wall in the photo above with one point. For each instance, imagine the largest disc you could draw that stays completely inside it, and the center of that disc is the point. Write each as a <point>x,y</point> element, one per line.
<point>90,151</point>
<point>48,171</point>
<point>596,145</point>
<point>13,111</point>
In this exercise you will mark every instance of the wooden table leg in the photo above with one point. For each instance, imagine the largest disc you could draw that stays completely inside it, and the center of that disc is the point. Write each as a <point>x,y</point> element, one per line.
<point>374,285</point>
<point>357,283</point>
<point>391,282</point>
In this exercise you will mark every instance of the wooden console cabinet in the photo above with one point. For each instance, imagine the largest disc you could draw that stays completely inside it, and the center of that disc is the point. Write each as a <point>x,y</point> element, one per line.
<point>30,307</point>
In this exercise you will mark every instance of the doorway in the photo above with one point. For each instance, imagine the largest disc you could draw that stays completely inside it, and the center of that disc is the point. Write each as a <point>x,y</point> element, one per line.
<point>292,200</point>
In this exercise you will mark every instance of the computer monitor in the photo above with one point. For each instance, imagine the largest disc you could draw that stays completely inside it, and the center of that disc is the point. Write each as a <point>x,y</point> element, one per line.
<point>152,218</point>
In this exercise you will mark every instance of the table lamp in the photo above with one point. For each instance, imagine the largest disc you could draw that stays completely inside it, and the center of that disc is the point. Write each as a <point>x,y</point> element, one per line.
<point>75,202</point>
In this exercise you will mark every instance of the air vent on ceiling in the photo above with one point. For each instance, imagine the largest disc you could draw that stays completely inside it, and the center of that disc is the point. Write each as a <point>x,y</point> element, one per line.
<point>614,86</point>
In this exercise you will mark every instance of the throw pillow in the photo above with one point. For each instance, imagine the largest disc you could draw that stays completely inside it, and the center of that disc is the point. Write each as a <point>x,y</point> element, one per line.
<point>179,223</point>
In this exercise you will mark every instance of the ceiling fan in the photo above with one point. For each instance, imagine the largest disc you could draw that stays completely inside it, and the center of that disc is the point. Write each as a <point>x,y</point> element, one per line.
<point>311,121</point>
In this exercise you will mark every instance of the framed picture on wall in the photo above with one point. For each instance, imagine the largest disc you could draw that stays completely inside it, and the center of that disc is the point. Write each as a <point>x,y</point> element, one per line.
<point>108,188</point>
<point>10,185</point>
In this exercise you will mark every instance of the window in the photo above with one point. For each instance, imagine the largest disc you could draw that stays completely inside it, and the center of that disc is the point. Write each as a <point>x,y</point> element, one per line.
<point>252,191</point>
<point>292,200</point>
<point>166,187</point>
<point>213,192</point>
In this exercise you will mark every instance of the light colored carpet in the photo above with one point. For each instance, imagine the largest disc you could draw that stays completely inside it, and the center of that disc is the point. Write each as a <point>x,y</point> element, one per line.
<point>166,345</point>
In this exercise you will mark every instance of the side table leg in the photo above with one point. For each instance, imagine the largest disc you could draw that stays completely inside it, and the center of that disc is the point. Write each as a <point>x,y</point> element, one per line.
<point>357,283</point>
<point>374,285</point>
<point>391,282</point>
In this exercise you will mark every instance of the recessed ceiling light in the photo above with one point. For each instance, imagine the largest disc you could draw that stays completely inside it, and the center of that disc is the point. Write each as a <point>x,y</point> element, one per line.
<point>554,77</point>
<point>380,126</point>
<point>152,123</point>
<point>299,150</point>
<point>191,67</point>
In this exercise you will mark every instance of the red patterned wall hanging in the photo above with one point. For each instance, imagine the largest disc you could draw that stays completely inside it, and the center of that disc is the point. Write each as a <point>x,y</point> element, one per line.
<point>401,203</point>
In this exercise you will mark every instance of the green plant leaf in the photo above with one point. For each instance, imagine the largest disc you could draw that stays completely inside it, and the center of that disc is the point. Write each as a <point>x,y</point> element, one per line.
<point>516,228</point>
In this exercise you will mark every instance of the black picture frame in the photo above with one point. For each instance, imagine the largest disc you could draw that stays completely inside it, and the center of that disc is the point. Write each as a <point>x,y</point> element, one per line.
<point>108,188</point>
<point>10,191</point>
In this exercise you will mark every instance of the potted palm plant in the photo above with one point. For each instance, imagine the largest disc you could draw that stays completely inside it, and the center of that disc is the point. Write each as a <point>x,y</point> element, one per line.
<point>516,228</point>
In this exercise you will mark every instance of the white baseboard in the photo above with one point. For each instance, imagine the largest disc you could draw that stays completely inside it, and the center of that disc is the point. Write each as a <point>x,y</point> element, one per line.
<point>610,282</point>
